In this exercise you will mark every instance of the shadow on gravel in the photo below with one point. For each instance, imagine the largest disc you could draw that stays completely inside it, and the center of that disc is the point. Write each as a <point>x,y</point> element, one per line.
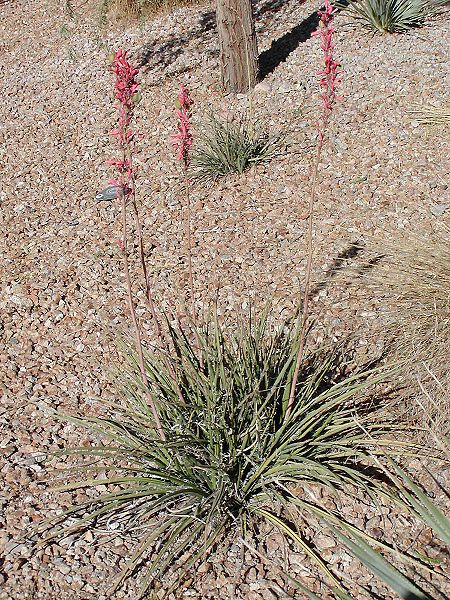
<point>285,45</point>
<point>338,264</point>
<point>155,54</point>
<point>163,55</point>
<point>341,261</point>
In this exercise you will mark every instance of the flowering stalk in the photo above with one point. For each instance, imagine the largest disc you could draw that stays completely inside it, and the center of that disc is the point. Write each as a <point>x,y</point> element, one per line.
<point>329,82</point>
<point>182,140</point>
<point>126,93</point>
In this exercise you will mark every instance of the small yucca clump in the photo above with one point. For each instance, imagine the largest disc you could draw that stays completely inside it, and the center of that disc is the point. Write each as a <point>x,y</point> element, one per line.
<point>389,16</point>
<point>232,147</point>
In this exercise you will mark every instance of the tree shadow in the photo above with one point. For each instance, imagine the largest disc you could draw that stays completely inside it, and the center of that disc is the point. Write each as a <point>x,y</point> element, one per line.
<point>272,6</point>
<point>281,48</point>
<point>208,23</point>
<point>163,55</point>
<point>157,54</point>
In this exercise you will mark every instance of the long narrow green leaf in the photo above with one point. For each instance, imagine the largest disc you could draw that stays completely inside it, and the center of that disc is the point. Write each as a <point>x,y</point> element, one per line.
<point>282,526</point>
<point>424,507</point>
<point>230,450</point>
<point>373,561</point>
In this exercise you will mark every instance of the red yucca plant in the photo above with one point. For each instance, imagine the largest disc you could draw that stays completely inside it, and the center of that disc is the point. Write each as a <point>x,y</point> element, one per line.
<point>207,439</point>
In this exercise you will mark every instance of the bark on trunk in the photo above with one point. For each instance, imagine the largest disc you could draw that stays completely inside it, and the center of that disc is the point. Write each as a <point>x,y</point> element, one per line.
<point>237,43</point>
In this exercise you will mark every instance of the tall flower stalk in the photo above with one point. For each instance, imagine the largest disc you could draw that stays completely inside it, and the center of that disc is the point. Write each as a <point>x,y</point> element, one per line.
<point>182,140</point>
<point>126,92</point>
<point>329,82</point>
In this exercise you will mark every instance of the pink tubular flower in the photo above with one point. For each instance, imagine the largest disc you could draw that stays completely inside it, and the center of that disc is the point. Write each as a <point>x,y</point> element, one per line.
<point>126,87</point>
<point>329,79</point>
<point>125,91</point>
<point>182,139</point>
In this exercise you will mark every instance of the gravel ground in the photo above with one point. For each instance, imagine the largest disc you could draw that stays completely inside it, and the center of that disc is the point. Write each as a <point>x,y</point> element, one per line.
<point>62,302</point>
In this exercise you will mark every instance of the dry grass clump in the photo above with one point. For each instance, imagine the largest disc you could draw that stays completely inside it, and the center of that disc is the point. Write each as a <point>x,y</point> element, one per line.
<point>433,407</point>
<point>413,273</point>
<point>435,118</point>
<point>135,9</point>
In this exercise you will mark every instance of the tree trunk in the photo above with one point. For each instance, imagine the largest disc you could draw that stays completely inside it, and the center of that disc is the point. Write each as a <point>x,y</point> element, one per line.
<point>238,47</point>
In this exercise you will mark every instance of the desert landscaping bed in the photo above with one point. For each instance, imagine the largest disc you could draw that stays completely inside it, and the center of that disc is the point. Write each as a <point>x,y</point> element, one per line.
<point>62,290</point>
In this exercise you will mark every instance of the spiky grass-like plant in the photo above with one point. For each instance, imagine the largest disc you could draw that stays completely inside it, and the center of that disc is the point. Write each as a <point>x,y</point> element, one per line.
<point>231,451</point>
<point>232,147</point>
<point>389,16</point>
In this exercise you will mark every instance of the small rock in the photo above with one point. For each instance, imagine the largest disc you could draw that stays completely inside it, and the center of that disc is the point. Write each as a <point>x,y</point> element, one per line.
<point>438,210</point>
<point>324,541</point>
<point>253,595</point>
<point>274,543</point>
<point>297,559</point>
<point>203,568</point>
<point>284,88</point>
<point>262,86</point>
<point>268,595</point>
<point>89,537</point>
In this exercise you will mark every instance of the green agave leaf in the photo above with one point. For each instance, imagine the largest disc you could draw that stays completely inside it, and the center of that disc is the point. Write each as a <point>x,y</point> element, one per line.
<point>155,534</point>
<point>231,448</point>
<point>203,548</point>
<point>232,148</point>
<point>329,518</point>
<point>389,16</point>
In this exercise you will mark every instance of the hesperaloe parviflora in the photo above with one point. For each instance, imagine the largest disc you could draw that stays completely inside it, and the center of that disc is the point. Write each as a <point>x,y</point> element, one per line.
<point>126,92</point>
<point>182,140</point>
<point>329,82</point>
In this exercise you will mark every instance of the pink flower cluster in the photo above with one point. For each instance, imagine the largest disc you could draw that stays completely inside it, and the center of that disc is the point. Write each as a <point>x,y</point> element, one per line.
<point>182,139</point>
<point>125,88</point>
<point>123,166</point>
<point>329,79</point>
